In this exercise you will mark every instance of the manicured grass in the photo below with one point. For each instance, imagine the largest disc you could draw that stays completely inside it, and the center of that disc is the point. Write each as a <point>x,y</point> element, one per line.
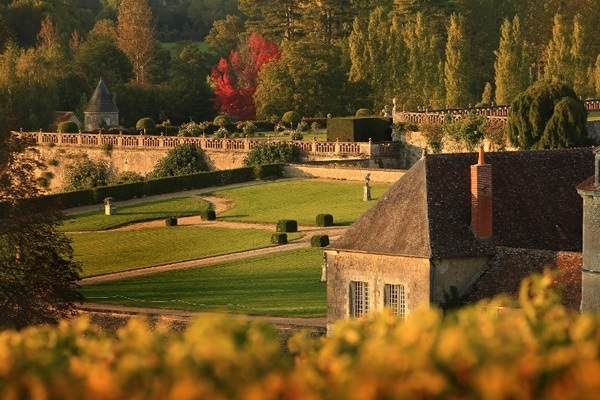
<point>95,221</point>
<point>281,284</point>
<point>594,116</point>
<point>114,251</point>
<point>308,137</point>
<point>301,200</point>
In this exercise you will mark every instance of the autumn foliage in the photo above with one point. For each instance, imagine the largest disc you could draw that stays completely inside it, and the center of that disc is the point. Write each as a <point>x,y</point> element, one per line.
<point>235,78</point>
<point>535,350</point>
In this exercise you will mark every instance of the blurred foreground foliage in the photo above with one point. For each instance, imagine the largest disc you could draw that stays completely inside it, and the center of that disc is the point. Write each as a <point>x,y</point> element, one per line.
<point>494,350</point>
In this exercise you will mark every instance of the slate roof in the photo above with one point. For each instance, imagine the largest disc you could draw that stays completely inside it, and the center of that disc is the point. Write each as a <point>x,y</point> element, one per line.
<point>427,212</point>
<point>510,266</point>
<point>101,101</point>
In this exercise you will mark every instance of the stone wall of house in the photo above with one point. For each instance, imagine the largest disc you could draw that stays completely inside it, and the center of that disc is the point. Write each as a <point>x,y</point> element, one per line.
<point>377,176</point>
<point>458,272</point>
<point>377,270</point>
<point>590,285</point>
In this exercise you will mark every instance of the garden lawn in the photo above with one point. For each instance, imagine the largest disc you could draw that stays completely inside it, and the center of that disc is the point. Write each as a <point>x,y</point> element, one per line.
<point>594,116</point>
<point>280,284</point>
<point>301,200</point>
<point>94,221</point>
<point>115,251</point>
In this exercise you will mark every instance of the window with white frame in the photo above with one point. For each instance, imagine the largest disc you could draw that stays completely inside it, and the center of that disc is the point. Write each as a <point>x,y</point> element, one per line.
<point>359,299</point>
<point>395,299</point>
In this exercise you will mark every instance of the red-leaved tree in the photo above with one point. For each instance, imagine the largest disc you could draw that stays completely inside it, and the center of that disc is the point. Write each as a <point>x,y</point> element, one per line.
<point>236,78</point>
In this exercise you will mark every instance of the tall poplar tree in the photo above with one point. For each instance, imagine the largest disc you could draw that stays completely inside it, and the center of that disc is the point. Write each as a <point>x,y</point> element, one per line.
<point>559,63</point>
<point>135,36</point>
<point>581,59</point>
<point>597,76</point>
<point>512,62</point>
<point>458,67</point>
<point>424,60</point>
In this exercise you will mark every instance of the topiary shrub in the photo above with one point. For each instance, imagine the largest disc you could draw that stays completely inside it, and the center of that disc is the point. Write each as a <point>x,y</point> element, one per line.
<point>324,220</point>
<point>279,238</point>
<point>319,241</point>
<point>221,121</point>
<point>363,112</point>
<point>547,115</point>
<point>171,221</point>
<point>146,124</point>
<point>208,215</point>
<point>291,117</point>
<point>287,225</point>
<point>67,127</point>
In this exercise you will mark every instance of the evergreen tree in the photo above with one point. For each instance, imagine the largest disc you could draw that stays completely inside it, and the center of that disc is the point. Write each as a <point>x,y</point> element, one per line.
<point>458,67</point>
<point>487,95</point>
<point>135,36</point>
<point>597,76</point>
<point>275,19</point>
<point>581,59</point>
<point>559,63</point>
<point>547,115</point>
<point>327,20</point>
<point>512,64</point>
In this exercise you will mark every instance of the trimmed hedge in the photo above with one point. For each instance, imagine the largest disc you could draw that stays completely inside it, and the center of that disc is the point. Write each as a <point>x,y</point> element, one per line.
<point>287,225</point>
<point>208,215</point>
<point>359,129</point>
<point>164,185</point>
<point>319,241</point>
<point>279,238</point>
<point>324,220</point>
<point>171,221</point>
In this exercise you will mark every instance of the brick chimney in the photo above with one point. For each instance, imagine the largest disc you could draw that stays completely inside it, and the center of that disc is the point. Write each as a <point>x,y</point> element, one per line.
<point>481,198</point>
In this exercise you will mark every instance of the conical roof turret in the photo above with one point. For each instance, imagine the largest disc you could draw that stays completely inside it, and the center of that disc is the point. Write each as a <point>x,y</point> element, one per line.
<point>101,101</point>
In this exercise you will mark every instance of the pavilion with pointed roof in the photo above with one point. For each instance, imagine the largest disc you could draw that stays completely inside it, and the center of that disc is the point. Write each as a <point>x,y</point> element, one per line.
<point>456,220</point>
<point>101,110</point>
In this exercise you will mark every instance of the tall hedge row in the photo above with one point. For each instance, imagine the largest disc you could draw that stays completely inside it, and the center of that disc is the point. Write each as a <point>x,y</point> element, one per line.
<point>535,351</point>
<point>164,185</point>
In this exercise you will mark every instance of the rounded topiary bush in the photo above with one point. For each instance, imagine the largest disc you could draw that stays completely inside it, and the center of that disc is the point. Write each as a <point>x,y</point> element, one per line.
<point>67,127</point>
<point>171,221</point>
<point>319,241</point>
<point>146,124</point>
<point>279,238</point>
<point>208,215</point>
<point>291,117</point>
<point>324,220</point>
<point>221,120</point>
<point>363,112</point>
<point>287,225</point>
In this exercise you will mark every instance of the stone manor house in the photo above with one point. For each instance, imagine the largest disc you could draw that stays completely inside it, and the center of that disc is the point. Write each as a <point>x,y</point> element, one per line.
<point>480,223</point>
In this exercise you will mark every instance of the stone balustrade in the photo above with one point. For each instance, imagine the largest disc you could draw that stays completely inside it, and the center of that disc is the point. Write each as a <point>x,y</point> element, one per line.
<point>495,114</point>
<point>311,148</point>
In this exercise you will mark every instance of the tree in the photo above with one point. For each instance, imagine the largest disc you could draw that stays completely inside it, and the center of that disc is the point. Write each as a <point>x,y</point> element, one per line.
<point>468,130</point>
<point>275,19</point>
<point>236,78</point>
<point>184,159</point>
<point>458,68</point>
<point>581,60</point>
<point>309,78</point>
<point>291,117</point>
<point>424,61</point>
<point>597,75</point>
<point>512,63</point>
<point>101,57</point>
<point>327,20</point>
<point>86,174</point>
<point>135,36</point>
<point>204,13</point>
<point>559,63</point>
<point>225,34</point>
<point>487,95</point>
<point>38,277</point>
<point>547,115</point>
<point>273,153</point>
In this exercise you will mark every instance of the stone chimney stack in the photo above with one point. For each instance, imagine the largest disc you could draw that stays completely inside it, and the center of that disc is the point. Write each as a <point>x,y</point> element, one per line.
<point>481,198</point>
<point>590,270</point>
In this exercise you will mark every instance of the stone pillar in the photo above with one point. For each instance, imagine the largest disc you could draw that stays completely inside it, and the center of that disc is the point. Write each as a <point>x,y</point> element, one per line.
<point>590,270</point>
